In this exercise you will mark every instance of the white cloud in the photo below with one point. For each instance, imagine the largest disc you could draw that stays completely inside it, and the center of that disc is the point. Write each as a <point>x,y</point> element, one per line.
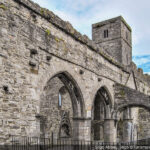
<point>141,60</point>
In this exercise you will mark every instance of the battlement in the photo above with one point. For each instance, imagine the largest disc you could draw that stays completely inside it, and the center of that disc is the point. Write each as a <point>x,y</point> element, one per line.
<point>139,74</point>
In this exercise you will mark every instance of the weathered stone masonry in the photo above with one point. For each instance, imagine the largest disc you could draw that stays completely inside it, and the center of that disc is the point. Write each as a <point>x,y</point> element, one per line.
<point>40,54</point>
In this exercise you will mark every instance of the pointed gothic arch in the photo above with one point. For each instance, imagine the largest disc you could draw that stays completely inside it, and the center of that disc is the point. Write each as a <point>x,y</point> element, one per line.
<point>72,104</point>
<point>100,111</point>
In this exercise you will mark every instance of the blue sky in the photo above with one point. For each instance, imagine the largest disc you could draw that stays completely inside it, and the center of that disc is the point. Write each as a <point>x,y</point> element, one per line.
<point>82,13</point>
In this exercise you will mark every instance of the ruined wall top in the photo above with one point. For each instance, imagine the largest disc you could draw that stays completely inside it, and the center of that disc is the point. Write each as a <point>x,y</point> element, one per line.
<point>68,28</point>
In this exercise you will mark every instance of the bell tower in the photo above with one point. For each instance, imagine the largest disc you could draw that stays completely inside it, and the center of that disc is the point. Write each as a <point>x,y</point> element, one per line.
<point>113,36</point>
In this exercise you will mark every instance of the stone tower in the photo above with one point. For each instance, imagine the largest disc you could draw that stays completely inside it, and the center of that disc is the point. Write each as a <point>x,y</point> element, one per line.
<point>113,36</point>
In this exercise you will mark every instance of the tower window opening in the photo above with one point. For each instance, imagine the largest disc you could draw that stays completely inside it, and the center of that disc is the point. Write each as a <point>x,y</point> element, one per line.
<point>105,33</point>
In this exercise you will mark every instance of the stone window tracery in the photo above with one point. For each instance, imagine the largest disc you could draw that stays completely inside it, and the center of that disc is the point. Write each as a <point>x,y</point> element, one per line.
<point>65,128</point>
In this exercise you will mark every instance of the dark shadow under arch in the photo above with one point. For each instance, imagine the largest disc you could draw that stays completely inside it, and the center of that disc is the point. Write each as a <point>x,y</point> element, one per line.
<point>100,111</point>
<point>107,100</point>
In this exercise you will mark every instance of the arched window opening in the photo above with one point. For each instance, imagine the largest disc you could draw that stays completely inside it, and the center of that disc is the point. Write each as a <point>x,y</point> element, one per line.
<point>61,95</point>
<point>59,100</point>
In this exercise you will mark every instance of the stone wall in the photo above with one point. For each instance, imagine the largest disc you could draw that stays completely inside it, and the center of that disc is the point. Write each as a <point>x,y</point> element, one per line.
<point>139,115</point>
<point>126,43</point>
<point>35,45</point>
<point>127,97</point>
<point>143,124</point>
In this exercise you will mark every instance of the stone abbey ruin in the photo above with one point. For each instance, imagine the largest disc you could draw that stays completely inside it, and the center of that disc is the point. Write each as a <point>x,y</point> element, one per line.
<point>53,80</point>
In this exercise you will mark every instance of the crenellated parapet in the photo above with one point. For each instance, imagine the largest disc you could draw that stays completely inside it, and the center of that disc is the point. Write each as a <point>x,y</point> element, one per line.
<point>141,78</point>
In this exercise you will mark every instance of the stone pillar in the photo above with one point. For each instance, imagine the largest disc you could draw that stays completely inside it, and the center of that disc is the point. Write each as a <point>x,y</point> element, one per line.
<point>109,130</point>
<point>127,130</point>
<point>82,129</point>
<point>127,125</point>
